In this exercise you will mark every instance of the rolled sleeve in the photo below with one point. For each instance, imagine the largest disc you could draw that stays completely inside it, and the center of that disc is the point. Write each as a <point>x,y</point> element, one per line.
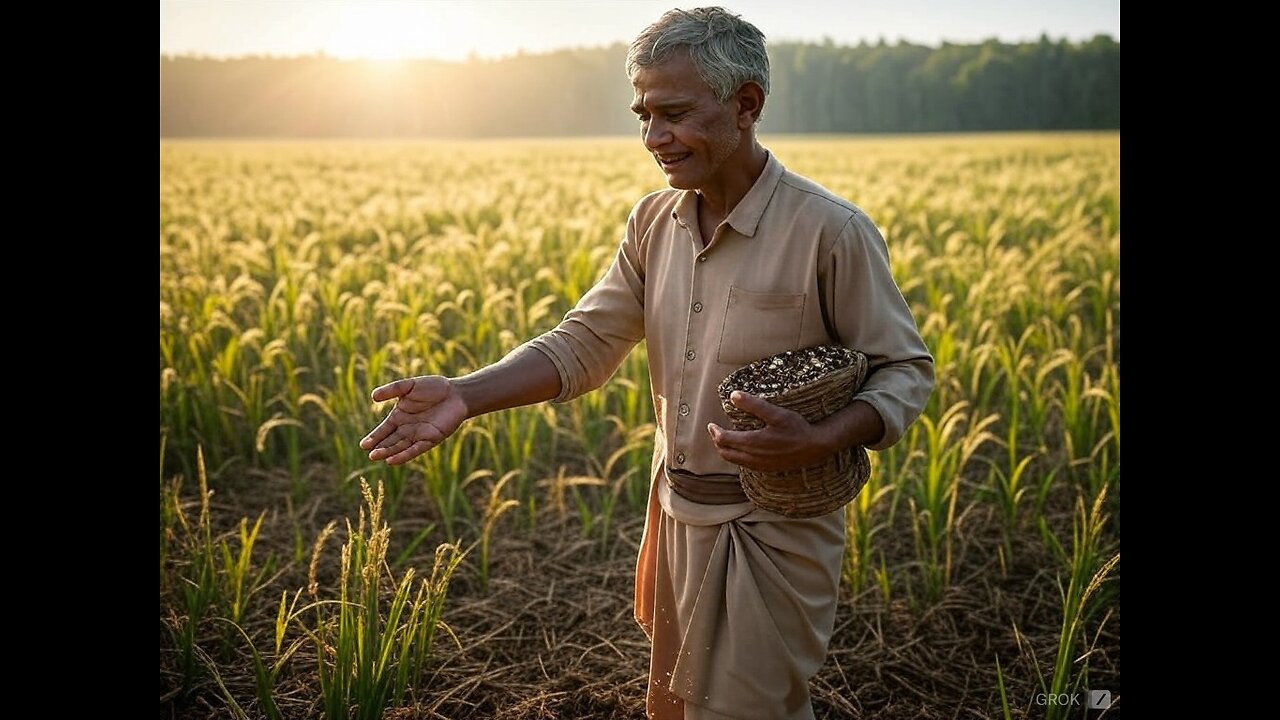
<point>869,314</point>
<point>595,336</point>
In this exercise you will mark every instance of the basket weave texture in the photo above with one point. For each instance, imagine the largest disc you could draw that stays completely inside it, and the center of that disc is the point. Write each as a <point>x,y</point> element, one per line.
<point>814,382</point>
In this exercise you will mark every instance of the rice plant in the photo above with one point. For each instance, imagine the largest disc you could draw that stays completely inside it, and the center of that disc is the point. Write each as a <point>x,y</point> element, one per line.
<point>933,496</point>
<point>865,517</point>
<point>197,573</point>
<point>1089,564</point>
<point>372,641</point>
<point>497,506</point>
<point>213,575</point>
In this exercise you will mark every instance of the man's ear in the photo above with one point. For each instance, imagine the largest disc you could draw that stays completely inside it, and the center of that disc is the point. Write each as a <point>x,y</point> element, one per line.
<point>750,99</point>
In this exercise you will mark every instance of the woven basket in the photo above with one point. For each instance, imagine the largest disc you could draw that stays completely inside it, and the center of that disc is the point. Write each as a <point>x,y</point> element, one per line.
<point>815,382</point>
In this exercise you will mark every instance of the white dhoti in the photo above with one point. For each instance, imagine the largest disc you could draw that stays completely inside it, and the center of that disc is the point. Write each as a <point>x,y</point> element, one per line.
<point>739,604</point>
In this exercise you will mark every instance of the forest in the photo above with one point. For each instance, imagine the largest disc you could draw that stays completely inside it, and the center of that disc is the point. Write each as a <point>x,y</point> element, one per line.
<point>816,88</point>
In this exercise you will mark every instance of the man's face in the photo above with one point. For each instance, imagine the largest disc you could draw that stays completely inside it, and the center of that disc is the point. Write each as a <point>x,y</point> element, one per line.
<point>687,129</point>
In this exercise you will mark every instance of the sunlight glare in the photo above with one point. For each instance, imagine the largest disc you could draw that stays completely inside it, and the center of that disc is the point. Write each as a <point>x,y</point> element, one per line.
<point>398,30</point>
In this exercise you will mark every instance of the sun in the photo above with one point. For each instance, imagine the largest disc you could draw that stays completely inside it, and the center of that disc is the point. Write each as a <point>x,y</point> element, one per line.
<point>401,30</point>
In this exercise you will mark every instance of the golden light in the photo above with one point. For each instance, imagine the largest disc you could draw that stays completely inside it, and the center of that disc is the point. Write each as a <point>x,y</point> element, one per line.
<point>398,30</point>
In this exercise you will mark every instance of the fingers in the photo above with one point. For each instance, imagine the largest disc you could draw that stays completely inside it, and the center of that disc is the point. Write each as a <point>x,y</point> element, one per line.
<point>726,439</point>
<point>380,436</point>
<point>782,425</point>
<point>759,407</point>
<point>379,433</point>
<point>390,446</point>
<point>733,445</point>
<point>738,457</point>
<point>417,437</point>
<point>388,432</point>
<point>396,389</point>
<point>403,451</point>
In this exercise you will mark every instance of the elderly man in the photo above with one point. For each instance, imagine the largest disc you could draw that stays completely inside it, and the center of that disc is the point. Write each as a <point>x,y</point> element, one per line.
<point>741,259</point>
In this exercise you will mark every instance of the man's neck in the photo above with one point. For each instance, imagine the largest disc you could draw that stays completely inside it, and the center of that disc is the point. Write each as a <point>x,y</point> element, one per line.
<point>719,199</point>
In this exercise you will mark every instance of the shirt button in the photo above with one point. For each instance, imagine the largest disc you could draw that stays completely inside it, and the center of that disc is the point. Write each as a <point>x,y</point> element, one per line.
<point>690,355</point>
<point>684,408</point>
<point>702,258</point>
<point>697,307</point>
<point>679,458</point>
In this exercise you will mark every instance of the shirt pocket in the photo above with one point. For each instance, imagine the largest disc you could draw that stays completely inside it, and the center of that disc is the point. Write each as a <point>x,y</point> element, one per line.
<point>757,325</point>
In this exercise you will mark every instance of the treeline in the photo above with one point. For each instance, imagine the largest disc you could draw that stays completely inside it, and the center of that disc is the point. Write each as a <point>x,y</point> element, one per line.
<point>1045,85</point>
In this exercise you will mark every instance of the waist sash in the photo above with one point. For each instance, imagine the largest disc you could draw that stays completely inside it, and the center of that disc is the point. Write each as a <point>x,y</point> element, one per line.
<point>706,489</point>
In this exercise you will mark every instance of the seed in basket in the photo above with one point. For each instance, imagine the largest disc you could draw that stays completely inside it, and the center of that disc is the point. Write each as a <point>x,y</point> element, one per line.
<point>814,382</point>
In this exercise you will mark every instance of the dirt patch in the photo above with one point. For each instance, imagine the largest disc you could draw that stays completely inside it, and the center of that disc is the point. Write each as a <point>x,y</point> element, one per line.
<point>552,636</point>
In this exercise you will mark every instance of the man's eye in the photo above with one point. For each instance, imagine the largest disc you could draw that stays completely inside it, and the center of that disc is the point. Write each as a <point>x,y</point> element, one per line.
<point>642,117</point>
<point>677,117</point>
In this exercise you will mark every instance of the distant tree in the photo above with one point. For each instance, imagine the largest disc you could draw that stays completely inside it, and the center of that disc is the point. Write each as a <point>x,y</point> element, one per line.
<point>816,88</point>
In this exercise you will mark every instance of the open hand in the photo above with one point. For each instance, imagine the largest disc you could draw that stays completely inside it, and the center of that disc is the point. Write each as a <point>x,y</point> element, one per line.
<point>787,441</point>
<point>428,410</point>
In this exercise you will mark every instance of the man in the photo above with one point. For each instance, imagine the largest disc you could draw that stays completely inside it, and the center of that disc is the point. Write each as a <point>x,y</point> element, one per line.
<point>741,259</point>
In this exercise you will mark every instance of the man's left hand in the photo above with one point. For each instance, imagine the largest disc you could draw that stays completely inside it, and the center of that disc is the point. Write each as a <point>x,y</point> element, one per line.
<point>787,441</point>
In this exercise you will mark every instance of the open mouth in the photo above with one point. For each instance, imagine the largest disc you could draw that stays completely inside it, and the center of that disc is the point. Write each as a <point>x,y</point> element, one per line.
<point>669,162</point>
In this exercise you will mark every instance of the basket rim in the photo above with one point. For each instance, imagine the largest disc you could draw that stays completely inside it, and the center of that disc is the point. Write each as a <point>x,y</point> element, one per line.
<point>824,380</point>
<point>827,378</point>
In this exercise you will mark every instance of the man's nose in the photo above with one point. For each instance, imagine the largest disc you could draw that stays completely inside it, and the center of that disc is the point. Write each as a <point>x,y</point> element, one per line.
<point>656,134</point>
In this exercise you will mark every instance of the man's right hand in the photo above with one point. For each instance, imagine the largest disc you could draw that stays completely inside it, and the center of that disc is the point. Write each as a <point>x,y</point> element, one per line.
<point>428,409</point>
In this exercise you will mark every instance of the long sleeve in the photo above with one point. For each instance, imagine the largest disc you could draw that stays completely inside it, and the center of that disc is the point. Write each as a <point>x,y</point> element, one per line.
<point>868,313</point>
<point>595,336</point>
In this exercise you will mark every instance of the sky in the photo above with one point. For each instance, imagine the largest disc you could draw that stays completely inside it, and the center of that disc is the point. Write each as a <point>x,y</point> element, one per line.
<point>456,29</point>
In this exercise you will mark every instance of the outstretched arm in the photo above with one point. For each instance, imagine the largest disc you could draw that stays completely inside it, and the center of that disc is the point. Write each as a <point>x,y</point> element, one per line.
<point>577,355</point>
<point>429,408</point>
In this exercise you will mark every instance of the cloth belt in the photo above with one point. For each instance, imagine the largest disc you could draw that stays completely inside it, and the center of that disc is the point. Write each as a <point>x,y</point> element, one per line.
<point>706,489</point>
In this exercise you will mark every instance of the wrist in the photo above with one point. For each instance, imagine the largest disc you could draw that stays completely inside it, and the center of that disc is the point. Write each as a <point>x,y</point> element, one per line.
<point>828,436</point>
<point>857,424</point>
<point>465,392</point>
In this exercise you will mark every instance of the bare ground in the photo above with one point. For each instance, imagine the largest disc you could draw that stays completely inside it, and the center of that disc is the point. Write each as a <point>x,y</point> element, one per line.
<point>553,635</point>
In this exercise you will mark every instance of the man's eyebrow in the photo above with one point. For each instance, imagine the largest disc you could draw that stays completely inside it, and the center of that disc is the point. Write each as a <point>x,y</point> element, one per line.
<point>638,108</point>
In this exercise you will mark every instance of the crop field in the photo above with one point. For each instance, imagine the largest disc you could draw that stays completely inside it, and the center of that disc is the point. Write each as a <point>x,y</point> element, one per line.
<point>492,578</point>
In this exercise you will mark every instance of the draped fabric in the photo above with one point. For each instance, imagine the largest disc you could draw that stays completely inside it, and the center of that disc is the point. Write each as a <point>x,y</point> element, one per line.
<point>739,609</point>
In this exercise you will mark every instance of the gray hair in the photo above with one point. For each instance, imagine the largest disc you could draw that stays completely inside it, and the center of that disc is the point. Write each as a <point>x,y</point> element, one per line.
<point>727,50</point>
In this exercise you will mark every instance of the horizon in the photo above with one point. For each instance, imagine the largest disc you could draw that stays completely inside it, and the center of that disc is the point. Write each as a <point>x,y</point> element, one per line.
<point>321,54</point>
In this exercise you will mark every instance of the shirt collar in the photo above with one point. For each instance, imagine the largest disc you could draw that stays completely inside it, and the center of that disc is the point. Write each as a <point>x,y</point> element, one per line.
<point>745,216</point>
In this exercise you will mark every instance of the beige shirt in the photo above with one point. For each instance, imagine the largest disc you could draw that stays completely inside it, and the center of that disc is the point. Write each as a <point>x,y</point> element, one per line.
<point>791,266</point>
